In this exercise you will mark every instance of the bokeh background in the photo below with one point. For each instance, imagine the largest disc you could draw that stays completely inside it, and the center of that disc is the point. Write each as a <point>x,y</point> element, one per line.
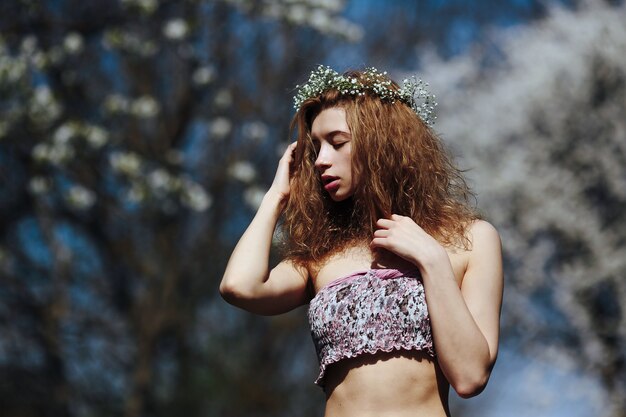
<point>137,138</point>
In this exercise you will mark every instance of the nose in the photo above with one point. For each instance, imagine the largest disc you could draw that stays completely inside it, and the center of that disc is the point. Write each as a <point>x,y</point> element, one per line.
<point>323,160</point>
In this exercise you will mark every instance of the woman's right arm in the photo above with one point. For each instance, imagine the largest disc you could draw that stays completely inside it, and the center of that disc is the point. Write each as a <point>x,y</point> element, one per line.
<point>248,282</point>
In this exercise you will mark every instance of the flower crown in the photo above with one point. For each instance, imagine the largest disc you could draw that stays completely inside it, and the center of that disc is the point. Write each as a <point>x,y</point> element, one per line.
<point>413,91</point>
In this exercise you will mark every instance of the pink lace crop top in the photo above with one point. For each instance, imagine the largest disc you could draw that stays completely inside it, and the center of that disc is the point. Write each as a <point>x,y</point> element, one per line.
<point>368,312</point>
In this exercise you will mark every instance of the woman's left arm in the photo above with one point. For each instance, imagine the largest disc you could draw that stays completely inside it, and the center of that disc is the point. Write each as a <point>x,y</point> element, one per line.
<point>465,321</point>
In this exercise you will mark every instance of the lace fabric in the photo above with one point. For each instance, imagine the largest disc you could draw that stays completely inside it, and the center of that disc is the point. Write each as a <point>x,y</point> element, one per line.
<point>369,312</point>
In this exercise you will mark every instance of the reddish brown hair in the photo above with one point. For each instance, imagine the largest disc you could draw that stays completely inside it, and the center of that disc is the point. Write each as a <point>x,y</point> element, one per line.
<point>401,167</point>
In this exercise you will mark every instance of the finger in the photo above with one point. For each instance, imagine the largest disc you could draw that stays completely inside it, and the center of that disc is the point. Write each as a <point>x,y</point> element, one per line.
<point>290,149</point>
<point>378,242</point>
<point>384,223</point>
<point>381,233</point>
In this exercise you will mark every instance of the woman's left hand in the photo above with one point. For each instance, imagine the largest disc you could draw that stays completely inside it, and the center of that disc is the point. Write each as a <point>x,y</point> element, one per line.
<point>405,238</point>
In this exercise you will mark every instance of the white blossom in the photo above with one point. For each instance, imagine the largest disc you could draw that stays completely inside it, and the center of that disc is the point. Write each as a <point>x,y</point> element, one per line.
<point>195,197</point>
<point>64,133</point>
<point>536,141</point>
<point>130,42</point>
<point>176,29</point>
<point>145,107</point>
<point>116,103</point>
<point>53,153</point>
<point>160,180</point>
<point>320,20</point>
<point>39,152</point>
<point>39,185</point>
<point>127,163</point>
<point>297,14</point>
<point>203,75</point>
<point>44,109</point>
<point>243,171</point>
<point>96,136</point>
<point>11,69</point>
<point>73,43</point>
<point>220,127</point>
<point>136,193</point>
<point>29,44</point>
<point>255,130</point>
<point>330,5</point>
<point>223,98</point>
<point>80,197</point>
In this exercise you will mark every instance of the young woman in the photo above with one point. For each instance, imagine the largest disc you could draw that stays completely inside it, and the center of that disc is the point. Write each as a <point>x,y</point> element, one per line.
<point>403,280</point>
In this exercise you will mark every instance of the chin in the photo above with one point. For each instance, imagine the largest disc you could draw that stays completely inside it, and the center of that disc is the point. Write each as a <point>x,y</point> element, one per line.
<point>338,198</point>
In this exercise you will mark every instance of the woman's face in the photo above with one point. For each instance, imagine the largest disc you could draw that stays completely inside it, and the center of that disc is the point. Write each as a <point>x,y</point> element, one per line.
<point>333,143</point>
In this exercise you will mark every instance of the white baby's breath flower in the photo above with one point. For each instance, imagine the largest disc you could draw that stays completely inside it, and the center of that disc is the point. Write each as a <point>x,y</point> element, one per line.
<point>80,197</point>
<point>176,29</point>
<point>73,43</point>
<point>243,171</point>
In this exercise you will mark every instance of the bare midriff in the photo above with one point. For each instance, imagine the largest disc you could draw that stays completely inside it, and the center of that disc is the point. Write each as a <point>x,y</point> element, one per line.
<point>398,384</point>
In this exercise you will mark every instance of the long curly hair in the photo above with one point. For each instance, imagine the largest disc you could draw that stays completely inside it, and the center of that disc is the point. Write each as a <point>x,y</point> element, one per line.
<point>400,165</point>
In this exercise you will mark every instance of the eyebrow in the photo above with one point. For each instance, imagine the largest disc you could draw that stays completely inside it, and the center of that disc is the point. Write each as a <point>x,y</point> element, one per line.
<point>332,134</point>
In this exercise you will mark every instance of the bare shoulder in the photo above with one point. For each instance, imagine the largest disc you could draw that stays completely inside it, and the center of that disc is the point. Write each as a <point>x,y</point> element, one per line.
<point>484,239</point>
<point>485,254</point>
<point>481,233</point>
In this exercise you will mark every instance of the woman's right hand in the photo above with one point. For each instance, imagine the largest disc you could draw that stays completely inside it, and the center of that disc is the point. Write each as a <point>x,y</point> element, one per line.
<point>281,185</point>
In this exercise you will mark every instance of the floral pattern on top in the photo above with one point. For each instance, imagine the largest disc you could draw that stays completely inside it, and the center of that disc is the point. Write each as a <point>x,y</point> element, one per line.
<point>369,312</point>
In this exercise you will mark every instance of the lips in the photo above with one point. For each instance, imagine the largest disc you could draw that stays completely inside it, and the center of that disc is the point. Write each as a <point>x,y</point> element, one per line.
<point>331,183</point>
